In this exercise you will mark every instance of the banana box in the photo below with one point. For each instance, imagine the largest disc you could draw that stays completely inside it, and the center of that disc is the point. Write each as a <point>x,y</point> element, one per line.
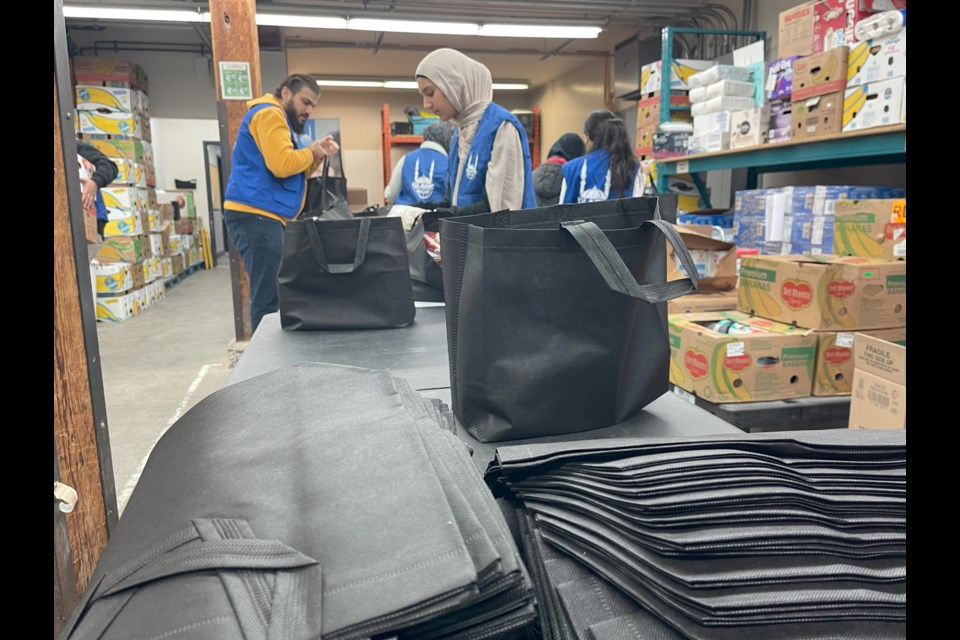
<point>681,70</point>
<point>818,116</point>
<point>121,249</point>
<point>110,71</point>
<point>146,268</point>
<point>140,298</point>
<point>825,292</point>
<point>645,138</point>
<point>124,200</point>
<point>156,267</point>
<point>129,150</point>
<point>833,374</point>
<point>117,308</point>
<point>178,264</point>
<point>166,267</point>
<point>768,361</point>
<point>122,225</point>
<point>879,395</point>
<point>703,302</point>
<point>878,59</point>
<point>648,110</point>
<point>130,173</point>
<point>112,278</point>
<point>127,124</point>
<point>195,257</point>
<point>107,99</point>
<point>160,290</point>
<point>137,275</point>
<point>154,220</point>
<point>870,228</point>
<point>157,247</point>
<point>186,242</point>
<point>174,244</point>
<point>877,104</point>
<point>820,74</point>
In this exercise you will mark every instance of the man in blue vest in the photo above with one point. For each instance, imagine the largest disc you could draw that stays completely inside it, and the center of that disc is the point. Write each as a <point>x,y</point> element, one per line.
<point>268,182</point>
<point>421,175</point>
<point>105,172</point>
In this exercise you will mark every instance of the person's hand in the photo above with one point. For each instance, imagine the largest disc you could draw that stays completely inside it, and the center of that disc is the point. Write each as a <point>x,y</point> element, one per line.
<point>88,193</point>
<point>318,151</point>
<point>181,201</point>
<point>329,145</point>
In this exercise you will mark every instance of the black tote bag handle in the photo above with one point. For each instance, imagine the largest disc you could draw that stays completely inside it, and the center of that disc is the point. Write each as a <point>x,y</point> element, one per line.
<point>615,273</point>
<point>358,258</point>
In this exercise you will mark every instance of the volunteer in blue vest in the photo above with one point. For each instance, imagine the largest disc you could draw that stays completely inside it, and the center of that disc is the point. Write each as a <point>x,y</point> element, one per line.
<point>610,170</point>
<point>489,160</point>
<point>421,175</point>
<point>268,182</point>
<point>105,171</point>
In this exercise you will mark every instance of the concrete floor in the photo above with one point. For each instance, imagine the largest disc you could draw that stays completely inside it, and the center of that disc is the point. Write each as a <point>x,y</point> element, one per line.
<point>160,363</point>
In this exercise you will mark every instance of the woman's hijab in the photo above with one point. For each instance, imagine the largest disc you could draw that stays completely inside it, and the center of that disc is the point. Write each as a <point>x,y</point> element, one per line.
<point>568,147</point>
<point>465,83</point>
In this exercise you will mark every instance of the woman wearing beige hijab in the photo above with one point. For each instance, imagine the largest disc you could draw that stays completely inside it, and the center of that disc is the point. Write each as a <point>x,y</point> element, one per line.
<point>489,166</point>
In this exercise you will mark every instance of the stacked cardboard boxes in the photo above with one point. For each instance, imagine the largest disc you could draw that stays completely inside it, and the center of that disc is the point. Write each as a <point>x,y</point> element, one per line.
<point>876,93</point>
<point>652,83</point>
<point>716,94</point>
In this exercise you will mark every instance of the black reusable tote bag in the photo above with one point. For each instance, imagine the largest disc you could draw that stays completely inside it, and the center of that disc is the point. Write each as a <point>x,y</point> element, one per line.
<point>425,273</point>
<point>327,195</point>
<point>344,274</point>
<point>556,317</point>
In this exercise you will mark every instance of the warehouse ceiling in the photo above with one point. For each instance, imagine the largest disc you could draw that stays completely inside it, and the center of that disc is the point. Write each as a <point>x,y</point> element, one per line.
<point>535,60</point>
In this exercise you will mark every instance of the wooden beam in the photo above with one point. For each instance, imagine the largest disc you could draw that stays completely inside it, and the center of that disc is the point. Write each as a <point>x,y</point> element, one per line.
<point>74,428</point>
<point>233,30</point>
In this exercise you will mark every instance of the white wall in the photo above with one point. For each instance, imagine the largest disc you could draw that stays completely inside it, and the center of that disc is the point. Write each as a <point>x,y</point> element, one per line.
<point>178,154</point>
<point>565,102</point>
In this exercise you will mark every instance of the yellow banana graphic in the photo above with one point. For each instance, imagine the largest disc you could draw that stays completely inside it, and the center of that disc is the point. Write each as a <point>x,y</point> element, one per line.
<point>676,373</point>
<point>100,97</point>
<point>729,385</point>
<point>101,123</point>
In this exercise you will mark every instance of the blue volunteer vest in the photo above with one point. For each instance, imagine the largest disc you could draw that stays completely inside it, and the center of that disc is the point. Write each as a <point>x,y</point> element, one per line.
<point>251,183</point>
<point>588,179</point>
<point>101,207</point>
<point>424,177</point>
<point>474,175</point>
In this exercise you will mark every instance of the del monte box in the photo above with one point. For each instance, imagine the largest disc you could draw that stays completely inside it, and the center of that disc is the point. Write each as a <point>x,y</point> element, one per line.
<point>728,356</point>
<point>827,292</point>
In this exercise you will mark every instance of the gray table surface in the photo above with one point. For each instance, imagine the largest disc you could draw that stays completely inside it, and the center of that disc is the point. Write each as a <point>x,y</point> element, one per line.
<point>419,354</point>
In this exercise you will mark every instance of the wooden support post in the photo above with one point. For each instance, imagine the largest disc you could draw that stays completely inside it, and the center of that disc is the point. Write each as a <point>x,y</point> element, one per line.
<point>81,440</point>
<point>233,29</point>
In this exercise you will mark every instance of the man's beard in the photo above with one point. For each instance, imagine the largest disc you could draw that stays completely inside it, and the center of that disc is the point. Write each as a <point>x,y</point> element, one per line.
<point>294,119</point>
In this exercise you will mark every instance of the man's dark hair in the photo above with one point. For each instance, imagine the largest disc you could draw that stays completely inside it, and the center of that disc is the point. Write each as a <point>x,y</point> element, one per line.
<point>296,82</point>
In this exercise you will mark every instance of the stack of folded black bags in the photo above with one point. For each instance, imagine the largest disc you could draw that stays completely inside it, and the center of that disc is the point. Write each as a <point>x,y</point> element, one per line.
<point>316,501</point>
<point>776,535</point>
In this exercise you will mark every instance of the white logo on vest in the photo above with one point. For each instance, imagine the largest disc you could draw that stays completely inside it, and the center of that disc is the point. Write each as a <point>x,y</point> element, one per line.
<point>472,167</point>
<point>593,194</point>
<point>422,185</point>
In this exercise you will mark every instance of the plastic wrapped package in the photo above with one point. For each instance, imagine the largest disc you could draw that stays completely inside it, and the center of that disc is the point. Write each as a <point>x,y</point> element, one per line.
<point>721,103</point>
<point>719,72</point>
<point>721,88</point>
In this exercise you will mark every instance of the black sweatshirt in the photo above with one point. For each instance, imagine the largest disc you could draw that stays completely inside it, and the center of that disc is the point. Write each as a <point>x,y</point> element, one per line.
<point>106,170</point>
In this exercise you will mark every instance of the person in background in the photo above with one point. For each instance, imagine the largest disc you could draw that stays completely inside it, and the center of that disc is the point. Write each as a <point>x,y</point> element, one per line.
<point>610,170</point>
<point>268,182</point>
<point>421,175</point>
<point>105,172</point>
<point>548,177</point>
<point>489,162</point>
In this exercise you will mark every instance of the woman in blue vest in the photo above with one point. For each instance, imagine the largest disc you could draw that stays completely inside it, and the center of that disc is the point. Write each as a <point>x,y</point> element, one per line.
<point>489,163</point>
<point>609,171</point>
<point>421,175</point>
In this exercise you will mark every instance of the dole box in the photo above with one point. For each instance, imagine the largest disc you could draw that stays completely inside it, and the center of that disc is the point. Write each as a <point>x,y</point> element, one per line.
<point>826,292</point>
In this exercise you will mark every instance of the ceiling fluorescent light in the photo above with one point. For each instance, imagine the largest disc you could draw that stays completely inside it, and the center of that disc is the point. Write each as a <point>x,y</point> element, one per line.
<point>510,86</point>
<point>301,21</point>
<point>157,15</point>
<point>351,83</point>
<point>400,84</point>
<point>413,26</point>
<point>538,31</point>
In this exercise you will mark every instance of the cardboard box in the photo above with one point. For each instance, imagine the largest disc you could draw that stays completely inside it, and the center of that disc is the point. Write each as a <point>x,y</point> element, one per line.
<point>177,263</point>
<point>781,121</point>
<point>650,74</point>
<point>157,246</point>
<point>720,273</point>
<point>879,394</point>
<point>154,220</point>
<point>879,59</point>
<point>858,10</point>
<point>703,302</point>
<point>750,127</point>
<point>829,24</point>
<point>827,292</point>
<point>877,104</point>
<point>114,124</point>
<point>669,144</point>
<point>166,267</point>
<point>818,117</point>
<point>124,200</point>
<point>107,99</point>
<point>648,110</point>
<point>112,278</point>
<point>121,249</point>
<point>129,173</point>
<point>109,70</point>
<point>123,225</point>
<point>833,375</point>
<point>188,210</point>
<point>186,226</point>
<point>146,269</point>
<point>173,242</point>
<point>871,228</point>
<point>645,137</point>
<point>820,74</point>
<point>724,368</point>
<point>137,275</point>
<point>795,35</point>
<point>117,308</point>
<point>779,79</point>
